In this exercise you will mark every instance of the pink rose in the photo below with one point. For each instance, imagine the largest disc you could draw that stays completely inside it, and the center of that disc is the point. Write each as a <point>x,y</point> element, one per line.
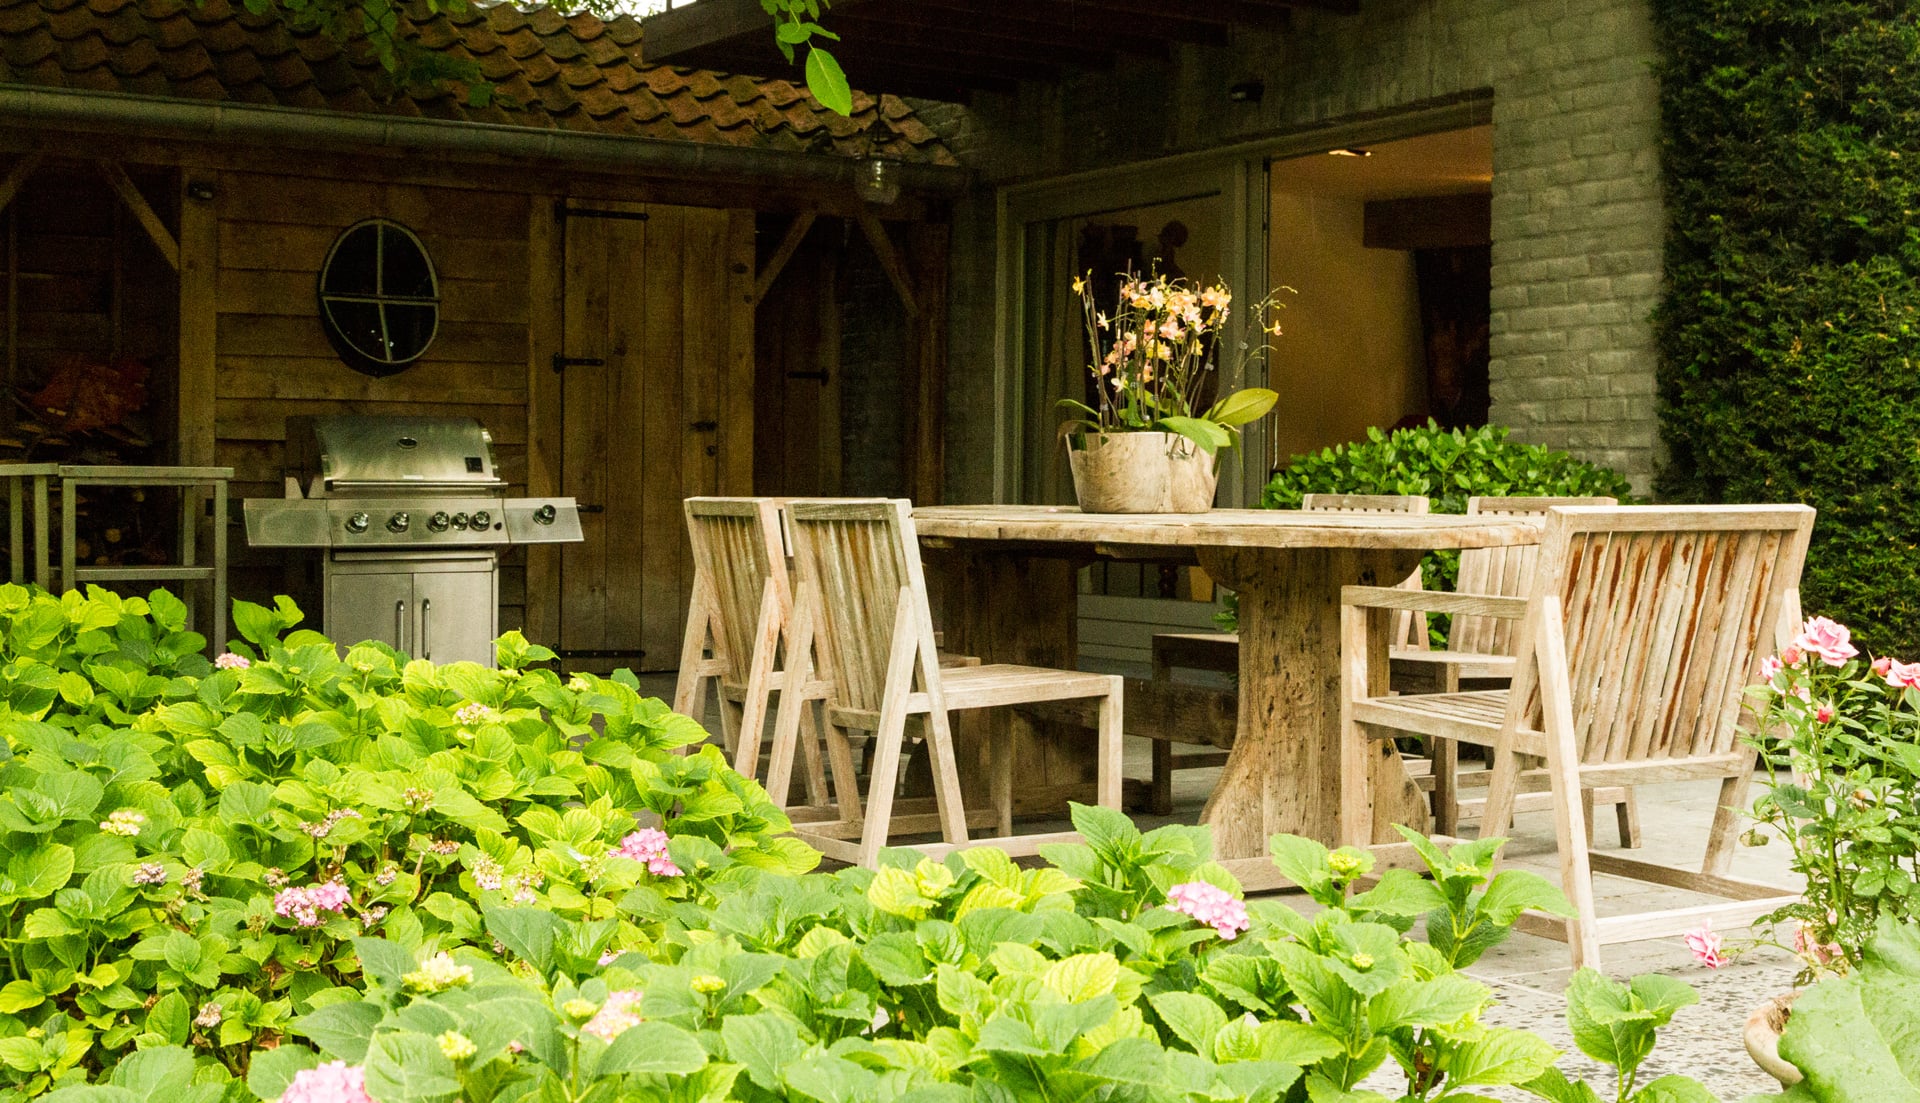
<point>1901,675</point>
<point>1791,656</point>
<point>1881,664</point>
<point>1706,947</point>
<point>1823,713</point>
<point>1770,668</point>
<point>1827,639</point>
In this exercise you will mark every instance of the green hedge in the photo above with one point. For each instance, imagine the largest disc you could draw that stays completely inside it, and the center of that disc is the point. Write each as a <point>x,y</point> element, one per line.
<point>1790,355</point>
<point>1447,465</point>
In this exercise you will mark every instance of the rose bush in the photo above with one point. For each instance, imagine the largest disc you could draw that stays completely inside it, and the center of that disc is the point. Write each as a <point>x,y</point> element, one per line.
<point>1841,736</point>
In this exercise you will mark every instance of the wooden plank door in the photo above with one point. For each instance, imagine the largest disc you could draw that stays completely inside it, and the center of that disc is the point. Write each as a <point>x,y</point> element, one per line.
<point>654,347</point>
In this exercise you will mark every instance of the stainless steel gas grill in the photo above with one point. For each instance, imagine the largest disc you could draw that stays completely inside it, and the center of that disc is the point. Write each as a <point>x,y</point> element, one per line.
<point>410,518</point>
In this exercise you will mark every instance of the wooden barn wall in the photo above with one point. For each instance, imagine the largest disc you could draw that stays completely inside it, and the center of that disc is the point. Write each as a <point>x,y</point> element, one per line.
<point>272,360</point>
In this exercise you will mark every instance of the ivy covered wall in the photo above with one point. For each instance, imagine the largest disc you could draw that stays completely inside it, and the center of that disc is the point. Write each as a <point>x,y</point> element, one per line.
<point>1790,329</point>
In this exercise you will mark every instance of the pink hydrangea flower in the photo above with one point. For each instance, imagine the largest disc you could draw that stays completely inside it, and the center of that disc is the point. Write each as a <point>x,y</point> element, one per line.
<point>1210,904</point>
<point>1770,667</point>
<point>230,661</point>
<point>333,1082</point>
<point>304,905</point>
<point>649,845</point>
<point>1706,947</point>
<point>615,1016</point>
<point>1828,639</point>
<point>1901,675</point>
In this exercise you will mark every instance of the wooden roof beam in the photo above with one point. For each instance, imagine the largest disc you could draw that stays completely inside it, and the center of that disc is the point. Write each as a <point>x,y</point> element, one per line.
<point>1055,49</point>
<point>998,25</point>
<point>1143,19</point>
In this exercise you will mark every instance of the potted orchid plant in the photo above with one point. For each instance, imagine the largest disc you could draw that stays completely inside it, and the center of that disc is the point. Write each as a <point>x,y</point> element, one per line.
<point>1144,444</point>
<point>1840,736</point>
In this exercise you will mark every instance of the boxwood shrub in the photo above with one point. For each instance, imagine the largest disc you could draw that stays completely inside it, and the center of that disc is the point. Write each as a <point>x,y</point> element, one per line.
<point>1789,331</point>
<point>1446,465</point>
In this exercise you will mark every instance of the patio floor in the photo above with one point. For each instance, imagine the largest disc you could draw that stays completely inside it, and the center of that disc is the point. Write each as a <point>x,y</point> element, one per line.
<point>1530,974</point>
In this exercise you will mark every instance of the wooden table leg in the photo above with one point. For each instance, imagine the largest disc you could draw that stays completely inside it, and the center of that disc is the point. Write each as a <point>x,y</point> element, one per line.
<point>1015,607</point>
<point>1283,774</point>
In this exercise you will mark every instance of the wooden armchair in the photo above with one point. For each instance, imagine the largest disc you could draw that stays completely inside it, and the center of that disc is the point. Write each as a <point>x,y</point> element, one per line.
<point>1480,655</point>
<point>1640,630</point>
<point>863,646</point>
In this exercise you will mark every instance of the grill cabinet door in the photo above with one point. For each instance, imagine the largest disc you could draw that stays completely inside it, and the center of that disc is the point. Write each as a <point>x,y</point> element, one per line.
<point>455,611</point>
<point>369,602</point>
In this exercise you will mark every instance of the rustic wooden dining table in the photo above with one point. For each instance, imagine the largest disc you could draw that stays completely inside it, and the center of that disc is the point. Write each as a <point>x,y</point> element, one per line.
<point>1007,577</point>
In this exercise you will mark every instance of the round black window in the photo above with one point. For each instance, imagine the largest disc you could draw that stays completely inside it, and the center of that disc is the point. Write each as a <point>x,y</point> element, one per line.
<point>379,298</point>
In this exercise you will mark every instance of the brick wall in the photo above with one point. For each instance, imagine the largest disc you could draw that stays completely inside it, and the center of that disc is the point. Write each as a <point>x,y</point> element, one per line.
<point>1577,209</point>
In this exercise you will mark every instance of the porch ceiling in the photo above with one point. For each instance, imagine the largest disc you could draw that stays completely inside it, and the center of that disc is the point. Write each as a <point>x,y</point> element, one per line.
<point>948,49</point>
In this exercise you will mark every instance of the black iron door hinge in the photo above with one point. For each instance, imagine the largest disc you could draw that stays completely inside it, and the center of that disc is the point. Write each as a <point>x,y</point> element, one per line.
<point>564,212</point>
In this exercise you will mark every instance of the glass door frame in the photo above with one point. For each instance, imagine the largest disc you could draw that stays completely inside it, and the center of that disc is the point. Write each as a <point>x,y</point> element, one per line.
<point>1238,174</point>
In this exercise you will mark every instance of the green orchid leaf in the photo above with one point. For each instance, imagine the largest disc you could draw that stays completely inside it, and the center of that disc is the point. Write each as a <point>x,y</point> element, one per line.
<point>1243,406</point>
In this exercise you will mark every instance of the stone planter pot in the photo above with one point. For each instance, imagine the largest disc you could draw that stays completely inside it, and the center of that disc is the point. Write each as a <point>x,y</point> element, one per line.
<point>1762,1036</point>
<point>1141,473</point>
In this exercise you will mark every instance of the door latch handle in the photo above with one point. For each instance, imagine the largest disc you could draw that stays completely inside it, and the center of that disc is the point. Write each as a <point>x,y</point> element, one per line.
<point>561,362</point>
<point>704,426</point>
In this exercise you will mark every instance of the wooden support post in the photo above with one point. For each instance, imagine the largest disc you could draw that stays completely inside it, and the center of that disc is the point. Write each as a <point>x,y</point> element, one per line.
<point>926,458</point>
<point>199,267</point>
<point>546,260</point>
<point>17,177</point>
<point>777,263</point>
<point>143,211</point>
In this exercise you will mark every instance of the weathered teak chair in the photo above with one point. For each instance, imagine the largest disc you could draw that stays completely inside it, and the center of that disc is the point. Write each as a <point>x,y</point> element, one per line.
<point>1219,652</point>
<point>736,637</point>
<point>736,622</point>
<point>1641,629</point>
<point>863,644</point>
<point>1480,655</point>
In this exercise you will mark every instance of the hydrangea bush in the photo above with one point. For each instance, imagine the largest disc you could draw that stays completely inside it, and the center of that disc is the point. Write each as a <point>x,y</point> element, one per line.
<point>1139,975</point>
<point>299,878</point>
<point>191,847</point>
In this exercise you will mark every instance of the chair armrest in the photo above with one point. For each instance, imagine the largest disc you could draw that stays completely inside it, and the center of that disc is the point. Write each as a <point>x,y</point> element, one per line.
<point>1434,601</point>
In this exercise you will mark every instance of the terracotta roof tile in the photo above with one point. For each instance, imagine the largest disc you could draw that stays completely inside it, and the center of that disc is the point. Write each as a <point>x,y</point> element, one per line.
<point>571,72</point>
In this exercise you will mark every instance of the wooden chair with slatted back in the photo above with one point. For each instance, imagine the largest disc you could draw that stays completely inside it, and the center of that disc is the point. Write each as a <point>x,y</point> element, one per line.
<point>1641,630</point>
<point>736,623</point>
<point>863,643</point>
<point>1480,655</point>
<point>1219,652</point>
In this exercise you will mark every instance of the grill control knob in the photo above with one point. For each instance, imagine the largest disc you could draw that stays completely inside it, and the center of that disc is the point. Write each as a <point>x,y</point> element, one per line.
<point>358,523</point>
<point>439,521</point>
<point>545,515</point>
<point>459,520</point>
<point>481,518</point>
<point>398,522</point>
